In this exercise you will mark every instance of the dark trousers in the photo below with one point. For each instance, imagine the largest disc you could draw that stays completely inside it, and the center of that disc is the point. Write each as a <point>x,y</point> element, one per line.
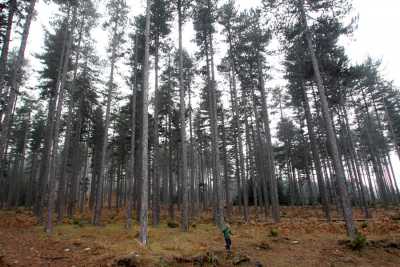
<point>228,243</point>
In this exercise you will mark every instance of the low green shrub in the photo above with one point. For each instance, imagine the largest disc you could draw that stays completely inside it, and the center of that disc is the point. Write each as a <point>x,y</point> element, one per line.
<point>359,242</point>
<point>274,232</point>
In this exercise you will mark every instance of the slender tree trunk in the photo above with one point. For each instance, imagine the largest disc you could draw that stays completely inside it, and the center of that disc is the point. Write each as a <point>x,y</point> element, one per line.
<point>253,163</point>
<point>32,179</point>
<point>391,129</point>
<point>316,157</point>
<point>340,175</point>
<point>76,156</point>
<point>6,44</point>
<point>355,165</point>
<point>131,162</point>
<point>226,174</point>
<point>48,140</point>
<point>269,153</point>
<point>156,159</point>
<point>182,121</point>
<point>99,192</point>
<point>86,180</point>
<point>374,154</point>
<point>245,184</point>
<point>261,155</point>
<point>239,158</point>
<point>145,132</point>
<point>67,142</point>
<point>171,186</point>
<point>219,208</point>
<point>194,197</point>
<point>57,125</point>
<point>15,74</point>
<point>394,177</point>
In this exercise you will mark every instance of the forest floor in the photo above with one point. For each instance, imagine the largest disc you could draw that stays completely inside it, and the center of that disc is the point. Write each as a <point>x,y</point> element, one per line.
<point>303,239</point>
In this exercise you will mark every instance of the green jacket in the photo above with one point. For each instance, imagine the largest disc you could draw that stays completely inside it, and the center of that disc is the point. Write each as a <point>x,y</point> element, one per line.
<point>227,233</point>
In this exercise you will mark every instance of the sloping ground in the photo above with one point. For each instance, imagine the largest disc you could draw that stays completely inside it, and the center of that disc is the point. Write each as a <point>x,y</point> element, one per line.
<point>304,239</point>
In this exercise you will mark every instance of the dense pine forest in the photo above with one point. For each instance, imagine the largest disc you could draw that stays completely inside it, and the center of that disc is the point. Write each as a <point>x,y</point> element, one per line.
<point>262,120</point>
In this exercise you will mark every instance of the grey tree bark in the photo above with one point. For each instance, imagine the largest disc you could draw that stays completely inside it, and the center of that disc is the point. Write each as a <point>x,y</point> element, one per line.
<point>145,132</point>
<point>131,162</point>
<point>273,185</point>
<point>68,135</point>
<point>182,110</point>
<point>16,72</point>
<point>340,175</point>
<point>316,157</point>
<point>99,193</point>
<point>6,44</point>
<point>156,159</point>
<point>57,122</point>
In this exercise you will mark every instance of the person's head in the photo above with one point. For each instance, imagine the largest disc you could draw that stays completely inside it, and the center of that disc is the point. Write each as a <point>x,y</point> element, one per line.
<point>227,225</point>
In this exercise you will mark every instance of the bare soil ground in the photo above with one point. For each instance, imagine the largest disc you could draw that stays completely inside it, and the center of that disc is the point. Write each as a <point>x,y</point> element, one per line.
<point>304,239</point>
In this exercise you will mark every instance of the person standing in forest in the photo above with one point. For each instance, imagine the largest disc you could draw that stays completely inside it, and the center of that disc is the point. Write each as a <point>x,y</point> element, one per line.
<point>227,236</point>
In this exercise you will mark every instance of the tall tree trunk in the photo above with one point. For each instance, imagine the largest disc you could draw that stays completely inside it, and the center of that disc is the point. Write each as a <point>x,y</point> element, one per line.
<point>391,129</point>
<point>355,160</point>
<point>6,44</point>
<point>253,165</point>
<point>68,135</point>
<point>239,158</point>
<point>145,132</point>
<point>156,159</point>
<point>374,154</point>
<point>194,199</point>
<point>394,177</point>
<point>131,162</point>
<point>49,135</point>
<point>340,175</point>
<point>316,156</point>
<point>211,84</point>
<point>261,154</point>
<point>245,182</point>
<point>171,186</point>
<point>182,121</point>
<point>57,122</point>
<point>269,153</point>
<point>99,191</point>
<point>32,179</point>
<point>15,74</point>
<point>226,174</point>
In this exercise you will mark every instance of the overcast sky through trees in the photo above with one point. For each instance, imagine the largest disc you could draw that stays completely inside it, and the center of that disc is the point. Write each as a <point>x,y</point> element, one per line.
<point>376,36</point>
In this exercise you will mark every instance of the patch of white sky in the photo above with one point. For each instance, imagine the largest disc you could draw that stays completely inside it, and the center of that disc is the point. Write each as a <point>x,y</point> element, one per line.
<point>375,36</point>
